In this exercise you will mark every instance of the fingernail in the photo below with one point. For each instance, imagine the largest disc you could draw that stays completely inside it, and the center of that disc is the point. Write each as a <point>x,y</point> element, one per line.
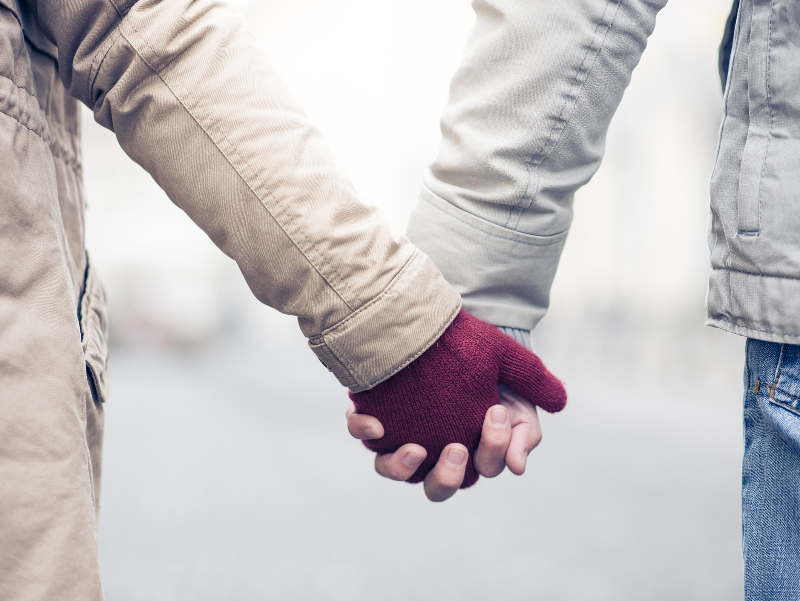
<point>499,416</point>
<point>456,458</point>
<point>412,460</point>
<point>370,432</point>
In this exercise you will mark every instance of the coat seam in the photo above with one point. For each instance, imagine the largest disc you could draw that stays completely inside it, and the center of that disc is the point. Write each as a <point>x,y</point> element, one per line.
<point>388,291</point>
<point>42,131</point>
<point>754,329</point>
<point>98,60</point>
<point>426,345</point>
<point>331,344</point>
<point>162,75</point>
<point>561,122</point>
<point>771,113</point>
<point>559,235</point>
<point>756,275</point>
<point>383,294</point>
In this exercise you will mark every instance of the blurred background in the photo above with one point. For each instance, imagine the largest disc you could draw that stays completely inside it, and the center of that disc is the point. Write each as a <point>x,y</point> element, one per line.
<point>228,469</point>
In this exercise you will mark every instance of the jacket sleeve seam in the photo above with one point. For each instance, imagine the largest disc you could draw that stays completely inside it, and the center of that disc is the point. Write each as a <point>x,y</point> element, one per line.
<point>384,293</point>
<point>354,300</point>
<point>388,291</point>
<point>557,238</point>
<point>97,62</point>
<point>562,121</point>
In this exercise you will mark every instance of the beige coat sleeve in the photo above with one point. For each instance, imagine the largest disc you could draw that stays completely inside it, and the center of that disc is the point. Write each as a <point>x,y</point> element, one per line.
<point>195,102</point>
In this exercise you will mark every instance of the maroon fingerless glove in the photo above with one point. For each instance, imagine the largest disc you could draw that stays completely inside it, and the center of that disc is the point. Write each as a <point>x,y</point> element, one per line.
<point>443,396</point>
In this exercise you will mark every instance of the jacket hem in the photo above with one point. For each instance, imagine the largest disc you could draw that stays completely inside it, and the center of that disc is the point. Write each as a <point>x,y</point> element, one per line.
<point>758,306</point>
<point>741,330</point>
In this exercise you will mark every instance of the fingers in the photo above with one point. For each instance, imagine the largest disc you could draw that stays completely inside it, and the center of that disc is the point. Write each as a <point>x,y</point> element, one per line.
<point>446,477</point>
<point>524,439</point>
<point>401,464</point>
<point>490,458</point>
<point>524,371</point>
<point>526,433</point>
<point>363,427</point>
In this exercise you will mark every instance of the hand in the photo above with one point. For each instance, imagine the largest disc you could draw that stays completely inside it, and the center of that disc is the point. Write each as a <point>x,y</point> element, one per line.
<point>444,397</point>
<point>510,432</point>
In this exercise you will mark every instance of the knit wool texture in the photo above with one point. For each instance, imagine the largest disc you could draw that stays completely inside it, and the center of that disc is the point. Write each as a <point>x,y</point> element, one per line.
<point>443,396</point>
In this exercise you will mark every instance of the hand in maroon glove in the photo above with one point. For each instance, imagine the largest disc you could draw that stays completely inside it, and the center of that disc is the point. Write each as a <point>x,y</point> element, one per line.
<point>443,395</point>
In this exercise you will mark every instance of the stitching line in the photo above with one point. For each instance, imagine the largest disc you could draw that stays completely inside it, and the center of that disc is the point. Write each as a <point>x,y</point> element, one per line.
<point>778,371</point>
<point>560,235</point>
<point>779,402</point>
<point>388,291</point>
<point>756,275</point>
<point>98,59</point>
<point>19,87</point>
<point>331,344</point>
<point>162,74</point>
<point>754,329</point>
<point>771,113</point>
<point>560,123</point>
<point>23,124</point>
<point>773,389</point>
<point>729,84</point>
<point>56,149</point>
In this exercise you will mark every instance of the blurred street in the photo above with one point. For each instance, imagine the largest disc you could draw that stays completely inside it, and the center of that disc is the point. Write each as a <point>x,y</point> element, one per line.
<point>228,471</point>
<point>229,474</point>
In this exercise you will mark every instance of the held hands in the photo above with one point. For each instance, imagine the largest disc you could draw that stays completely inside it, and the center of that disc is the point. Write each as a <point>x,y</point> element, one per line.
<point>465,407</point>
<point>510,431</point>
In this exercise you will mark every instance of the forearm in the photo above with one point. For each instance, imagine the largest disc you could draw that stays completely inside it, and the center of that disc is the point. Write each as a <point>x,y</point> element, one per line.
<point>523,129</point>
<point>195,102</point>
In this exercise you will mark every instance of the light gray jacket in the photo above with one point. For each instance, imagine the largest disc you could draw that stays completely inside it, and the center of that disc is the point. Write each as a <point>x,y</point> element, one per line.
<point>525,127</point>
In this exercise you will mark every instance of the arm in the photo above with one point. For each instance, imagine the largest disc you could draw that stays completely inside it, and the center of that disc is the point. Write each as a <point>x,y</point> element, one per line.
<point>196,103</point>
<point>523,129</point>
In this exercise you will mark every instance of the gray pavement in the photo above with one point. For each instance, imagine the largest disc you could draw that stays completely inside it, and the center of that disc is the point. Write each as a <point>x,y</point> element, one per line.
<point>229,475</point>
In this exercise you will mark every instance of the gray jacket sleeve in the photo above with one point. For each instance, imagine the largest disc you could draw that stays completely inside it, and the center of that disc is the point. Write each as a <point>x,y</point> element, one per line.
<point>523,129</point>
<point>194,101</point>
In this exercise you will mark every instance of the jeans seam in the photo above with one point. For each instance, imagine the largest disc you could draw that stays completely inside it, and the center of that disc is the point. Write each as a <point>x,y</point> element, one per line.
<point>784,405</point>
<point>771,388</point>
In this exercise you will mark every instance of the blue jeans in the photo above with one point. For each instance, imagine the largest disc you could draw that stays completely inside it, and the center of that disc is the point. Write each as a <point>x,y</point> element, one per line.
<point>771,472</point>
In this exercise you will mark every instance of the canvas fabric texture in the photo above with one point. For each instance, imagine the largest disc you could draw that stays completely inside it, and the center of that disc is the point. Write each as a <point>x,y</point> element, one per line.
<point>525,127</point>
<point>195,102</point>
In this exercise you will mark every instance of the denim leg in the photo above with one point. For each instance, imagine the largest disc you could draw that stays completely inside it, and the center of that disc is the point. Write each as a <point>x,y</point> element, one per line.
<point>771,472</point>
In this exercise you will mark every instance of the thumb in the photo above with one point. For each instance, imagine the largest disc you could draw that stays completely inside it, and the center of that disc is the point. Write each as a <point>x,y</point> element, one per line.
<point>523,371</point>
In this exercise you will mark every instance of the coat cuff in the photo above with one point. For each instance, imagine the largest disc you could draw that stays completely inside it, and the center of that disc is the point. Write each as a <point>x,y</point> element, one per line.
<point>382,337</point>
<point>503,275</point>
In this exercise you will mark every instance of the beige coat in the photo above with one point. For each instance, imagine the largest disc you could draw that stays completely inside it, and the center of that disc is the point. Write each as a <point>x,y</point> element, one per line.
<point>194,101</point>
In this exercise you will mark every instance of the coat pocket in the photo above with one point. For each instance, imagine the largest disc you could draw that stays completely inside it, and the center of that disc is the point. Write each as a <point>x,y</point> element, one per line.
<point>94,330</point>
